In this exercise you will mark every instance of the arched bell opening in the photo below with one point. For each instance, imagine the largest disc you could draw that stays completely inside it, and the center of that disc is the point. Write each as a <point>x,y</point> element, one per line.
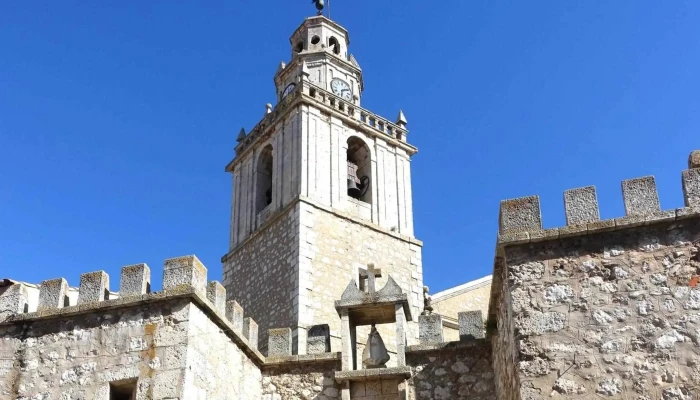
<point>263,191</point>
<point>359,170</point>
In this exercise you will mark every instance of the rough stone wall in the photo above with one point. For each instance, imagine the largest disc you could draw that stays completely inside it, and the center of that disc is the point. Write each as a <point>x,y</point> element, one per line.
<point>215,367</point>
<point>333,248</point>
<point>171,350</point>
<point>262,274</point>
<point>300,381</point>
<point>503,339</point>
<point>613,314</point>
<point>460,372</point>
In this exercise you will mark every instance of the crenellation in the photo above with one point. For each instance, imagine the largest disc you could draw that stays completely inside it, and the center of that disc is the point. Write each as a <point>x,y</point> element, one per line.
<point>14,300</point>
<point>279,342</point>
<point>135,280</point>
<point>520,223</point>
<point>691,187</point>
<point>53,294</point>
<point>234,313</point>
<point>430,329</point>
<point>94,286</point>
<point>471,325</point>
<point>581,206</point>
<point>250,331</point>
<point>185,271</point>
<point>520,215</point>
<point>216,294</point>
<point>640,196</point>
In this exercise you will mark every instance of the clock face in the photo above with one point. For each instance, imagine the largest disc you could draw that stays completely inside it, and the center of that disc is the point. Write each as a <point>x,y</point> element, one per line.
<point>288,90</point>
<point>341,89</point>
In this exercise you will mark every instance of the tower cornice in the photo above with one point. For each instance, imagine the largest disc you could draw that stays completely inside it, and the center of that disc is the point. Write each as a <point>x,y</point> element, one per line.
<point>307,93</point>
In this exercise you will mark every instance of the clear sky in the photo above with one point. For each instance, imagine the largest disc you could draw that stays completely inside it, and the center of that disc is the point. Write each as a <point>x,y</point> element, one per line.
<point>117,118</point>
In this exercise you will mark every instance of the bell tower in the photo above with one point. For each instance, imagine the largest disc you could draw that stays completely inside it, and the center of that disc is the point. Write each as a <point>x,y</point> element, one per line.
<point>321,189</point>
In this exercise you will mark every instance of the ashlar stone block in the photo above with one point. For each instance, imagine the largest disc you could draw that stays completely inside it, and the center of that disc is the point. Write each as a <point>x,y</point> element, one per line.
<point>216,294</point>
<point>52,294</point>
<point>13,301</point>
<point>318,339</point>
<point>279,342</point>
<point>184,271</point>
<point>691,187</point>
<point>520,215</point>
<point>94,286</point>
<point>234,313</point>
<point>640,196</point>
<point>581,205</point>
<point>471,325</point>
<point>430,329</point>
<point>135,280</point>
<point>694,159</point>
<point>250,331</point>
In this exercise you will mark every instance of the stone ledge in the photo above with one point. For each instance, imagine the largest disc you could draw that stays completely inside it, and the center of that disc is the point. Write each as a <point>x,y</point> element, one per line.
<point>372,374</point>
<point>302,359</point>
<point>465,344</point>
<point>598,226</point>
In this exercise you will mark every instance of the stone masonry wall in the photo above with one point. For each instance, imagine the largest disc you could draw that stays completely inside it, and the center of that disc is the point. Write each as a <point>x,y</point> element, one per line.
<point>215,367</point>
<point>503,339</point>
<point>611,315</point>
<point>262,274</point>
<point>470,300</point>
<point>300,381</point>
<point>459,372</point>
<point>333,249</point>
<point>171,349</point>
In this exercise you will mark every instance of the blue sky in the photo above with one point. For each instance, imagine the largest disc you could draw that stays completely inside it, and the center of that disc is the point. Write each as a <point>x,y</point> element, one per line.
<point>117,118</point>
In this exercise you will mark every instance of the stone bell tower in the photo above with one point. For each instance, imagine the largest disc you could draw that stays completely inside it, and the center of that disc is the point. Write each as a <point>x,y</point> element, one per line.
<point>321,188</point>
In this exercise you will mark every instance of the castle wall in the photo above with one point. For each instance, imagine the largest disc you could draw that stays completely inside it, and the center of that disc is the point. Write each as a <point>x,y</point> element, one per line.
<point>79,356</point>
<point>333,249</point>
<point>215,367</point>
<point>262,274</point>
<point>613,314</point>
<point>453,372</point>
<point>311,380</point>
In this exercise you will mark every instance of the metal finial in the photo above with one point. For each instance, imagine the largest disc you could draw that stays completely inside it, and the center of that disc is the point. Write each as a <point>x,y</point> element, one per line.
<point>319,6</point>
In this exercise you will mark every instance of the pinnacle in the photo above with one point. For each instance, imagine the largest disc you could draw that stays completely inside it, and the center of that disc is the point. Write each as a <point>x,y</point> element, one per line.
<point>401,119</point>
<point>241,135</point>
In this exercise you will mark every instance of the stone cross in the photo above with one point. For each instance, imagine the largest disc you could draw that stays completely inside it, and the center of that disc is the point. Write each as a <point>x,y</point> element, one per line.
<point>370,274</point>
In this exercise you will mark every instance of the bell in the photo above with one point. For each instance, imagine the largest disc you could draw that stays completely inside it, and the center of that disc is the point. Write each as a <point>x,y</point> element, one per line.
<point>353,190</point>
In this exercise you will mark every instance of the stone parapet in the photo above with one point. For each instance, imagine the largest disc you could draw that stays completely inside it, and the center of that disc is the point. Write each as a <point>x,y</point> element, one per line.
<point>520,219</point>
<point>182,277</point>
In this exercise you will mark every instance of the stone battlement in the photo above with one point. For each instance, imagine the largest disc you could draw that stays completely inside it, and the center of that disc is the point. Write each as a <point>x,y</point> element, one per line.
<point>182,277</point>
<point>520,219</point>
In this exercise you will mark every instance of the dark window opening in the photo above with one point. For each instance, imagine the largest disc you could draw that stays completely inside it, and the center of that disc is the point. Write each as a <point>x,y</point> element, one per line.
<point>299,47</point>
<point>122,390</point>
<point>263,196</point>
<point>334,44</point>
<point>359,170</point>
<point>315,40</point>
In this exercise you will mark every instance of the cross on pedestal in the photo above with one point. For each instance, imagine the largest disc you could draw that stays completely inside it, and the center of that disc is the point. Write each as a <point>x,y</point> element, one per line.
<point>371,274</point>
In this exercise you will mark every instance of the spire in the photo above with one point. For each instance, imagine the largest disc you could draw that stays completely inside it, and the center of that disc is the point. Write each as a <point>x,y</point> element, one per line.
<point>241,135</point>
<point>401,119</point>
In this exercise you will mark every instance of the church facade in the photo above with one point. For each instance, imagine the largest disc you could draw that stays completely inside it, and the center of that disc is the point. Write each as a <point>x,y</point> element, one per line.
<point>322,293</point>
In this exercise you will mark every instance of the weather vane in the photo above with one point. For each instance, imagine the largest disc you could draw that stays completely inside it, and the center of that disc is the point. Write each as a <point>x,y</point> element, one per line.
<point>319,6</point>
